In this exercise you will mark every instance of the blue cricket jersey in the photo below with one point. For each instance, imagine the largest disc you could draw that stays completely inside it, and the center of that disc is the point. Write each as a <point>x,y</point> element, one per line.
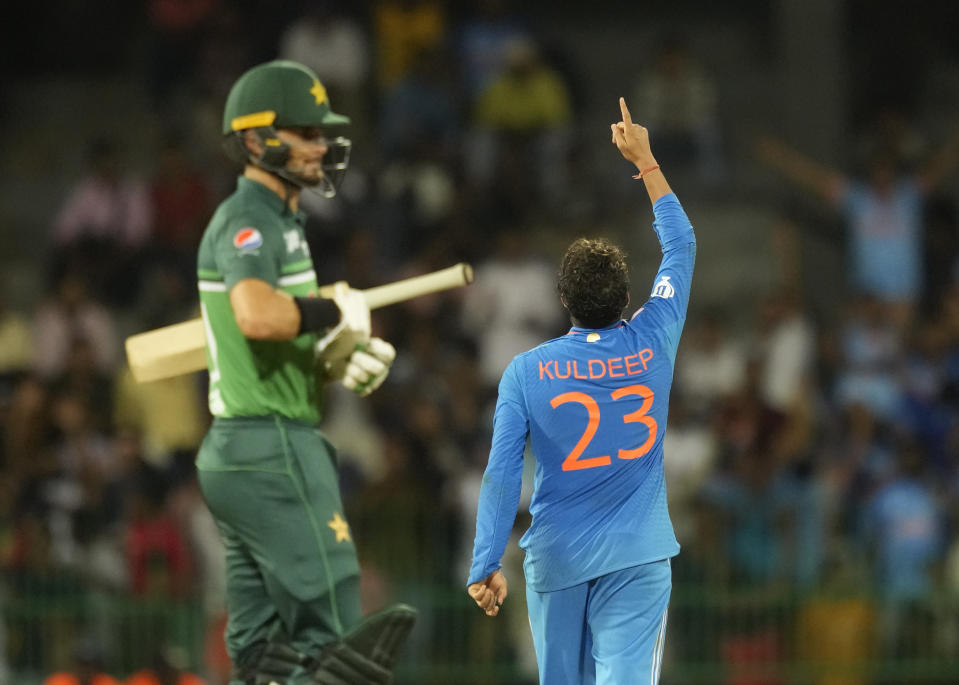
<point>593,404</point>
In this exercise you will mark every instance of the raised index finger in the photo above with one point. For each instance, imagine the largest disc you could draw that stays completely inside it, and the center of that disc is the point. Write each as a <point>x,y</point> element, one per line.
<point>628,120</point>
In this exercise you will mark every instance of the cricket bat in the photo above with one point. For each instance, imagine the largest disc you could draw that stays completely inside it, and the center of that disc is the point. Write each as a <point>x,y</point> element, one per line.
<point>181,348</point>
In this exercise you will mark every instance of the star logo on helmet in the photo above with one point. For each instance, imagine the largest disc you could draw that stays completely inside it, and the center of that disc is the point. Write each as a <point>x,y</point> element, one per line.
<point>340,527</point>
<point>319,92</point>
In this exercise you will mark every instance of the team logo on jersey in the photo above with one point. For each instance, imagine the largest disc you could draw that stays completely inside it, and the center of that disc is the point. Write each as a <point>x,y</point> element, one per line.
<point>592,337</point>
<point>247,239</point>
<point>663,288</point>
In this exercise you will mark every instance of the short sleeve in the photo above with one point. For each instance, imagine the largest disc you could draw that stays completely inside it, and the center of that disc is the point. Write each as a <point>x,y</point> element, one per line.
<point>247,249</point>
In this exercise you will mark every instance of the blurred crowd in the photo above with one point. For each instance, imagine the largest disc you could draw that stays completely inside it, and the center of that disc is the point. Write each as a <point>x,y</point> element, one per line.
<point>811,450</point>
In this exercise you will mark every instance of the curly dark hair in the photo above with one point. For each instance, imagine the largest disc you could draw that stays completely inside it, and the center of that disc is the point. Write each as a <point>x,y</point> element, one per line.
<point>594,282</point>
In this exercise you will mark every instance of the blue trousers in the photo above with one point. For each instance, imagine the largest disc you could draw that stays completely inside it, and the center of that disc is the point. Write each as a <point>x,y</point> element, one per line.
<point>606,631</point>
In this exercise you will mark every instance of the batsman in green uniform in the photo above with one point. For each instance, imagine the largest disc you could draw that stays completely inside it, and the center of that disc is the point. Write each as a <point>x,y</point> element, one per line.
<point>267,472</point>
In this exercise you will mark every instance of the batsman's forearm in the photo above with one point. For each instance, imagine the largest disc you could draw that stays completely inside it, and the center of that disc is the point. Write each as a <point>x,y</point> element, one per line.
<point>262,312</point>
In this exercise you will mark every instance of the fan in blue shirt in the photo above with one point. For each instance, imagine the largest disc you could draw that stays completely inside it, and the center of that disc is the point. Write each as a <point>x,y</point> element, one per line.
<point>593,405</point>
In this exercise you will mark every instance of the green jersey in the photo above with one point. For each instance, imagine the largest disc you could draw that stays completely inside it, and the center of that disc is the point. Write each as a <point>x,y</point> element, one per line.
<point>253,234</point>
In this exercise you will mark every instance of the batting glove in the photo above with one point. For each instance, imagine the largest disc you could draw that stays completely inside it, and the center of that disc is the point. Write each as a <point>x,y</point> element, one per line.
<point>368,367</point>
<point>353,330</point>
<point>354,317</point>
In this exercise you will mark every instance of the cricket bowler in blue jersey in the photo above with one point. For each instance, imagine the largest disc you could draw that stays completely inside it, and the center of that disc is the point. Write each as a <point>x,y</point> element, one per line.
<point>593,405</point>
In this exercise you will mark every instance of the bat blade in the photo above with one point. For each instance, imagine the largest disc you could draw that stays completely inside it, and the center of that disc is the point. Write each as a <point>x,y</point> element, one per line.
<point>181,348</point>
<point>168,351</point>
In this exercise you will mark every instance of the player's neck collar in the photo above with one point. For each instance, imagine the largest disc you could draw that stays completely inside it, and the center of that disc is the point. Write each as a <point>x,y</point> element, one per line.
<point>270,197</point>
<point>580,329</point>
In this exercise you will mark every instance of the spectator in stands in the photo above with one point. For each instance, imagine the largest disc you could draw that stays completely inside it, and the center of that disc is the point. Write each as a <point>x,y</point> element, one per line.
<point>926,409</point>
<point>853,462</point>
<point>757,504</point>
<point>393,514</point>
<point>182,201</point>
<point>107,204</point>
<point>903,529</point>
<point>503,323</point>
<point>784,357</point>
<point>419,113</point>
<point>177,32</point>
<point>350,425</point>
<point>105,222</point>
<point>85,459</point>
<point>93,388</point>
<point>904,523</point>
<point>871,351</point>
<point>691,452</point>
<point>483,39</point>
<point>401,30</point>
<point>465,398</point>
<point>16,344</point>
<point>26,428</point>
<point>62,488</point>
<point>710,366</point>
<point>157,554</point>
<point>521,126</point>
<point>66,316</point>
<point>422,365</point>
<point>884,214</point>
<point>419,134</point>
<point>679,101</point>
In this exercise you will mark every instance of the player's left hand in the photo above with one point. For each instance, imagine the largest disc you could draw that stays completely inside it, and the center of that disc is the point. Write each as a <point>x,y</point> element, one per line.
<point>368,366</point>
<point>632,139</point>
<point>490,593</point>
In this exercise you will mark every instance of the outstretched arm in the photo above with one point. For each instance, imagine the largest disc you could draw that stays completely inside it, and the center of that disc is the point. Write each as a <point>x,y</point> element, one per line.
<point>800,169</point>
<point>666,307</point>
<point>633,142</point>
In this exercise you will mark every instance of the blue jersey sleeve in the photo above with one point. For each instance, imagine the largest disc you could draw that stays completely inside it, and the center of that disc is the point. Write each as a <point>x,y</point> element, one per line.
<point>502,482</point>
<point>667,304</point>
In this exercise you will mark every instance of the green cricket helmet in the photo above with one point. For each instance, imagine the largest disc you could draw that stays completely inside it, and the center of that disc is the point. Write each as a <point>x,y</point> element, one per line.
<point>283,94</point>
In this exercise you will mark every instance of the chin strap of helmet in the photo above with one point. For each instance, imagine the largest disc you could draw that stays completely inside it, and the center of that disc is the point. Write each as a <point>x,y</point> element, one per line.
<point>276,154</point>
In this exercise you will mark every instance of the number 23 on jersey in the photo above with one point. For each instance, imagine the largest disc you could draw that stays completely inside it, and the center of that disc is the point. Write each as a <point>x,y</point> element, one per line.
<point>575,460</point>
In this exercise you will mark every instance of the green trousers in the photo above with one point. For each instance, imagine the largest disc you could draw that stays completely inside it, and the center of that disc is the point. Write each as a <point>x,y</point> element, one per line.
<point>292,571</point>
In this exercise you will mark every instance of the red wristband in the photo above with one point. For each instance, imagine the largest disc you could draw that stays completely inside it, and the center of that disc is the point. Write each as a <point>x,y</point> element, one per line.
<point>646,171</point>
